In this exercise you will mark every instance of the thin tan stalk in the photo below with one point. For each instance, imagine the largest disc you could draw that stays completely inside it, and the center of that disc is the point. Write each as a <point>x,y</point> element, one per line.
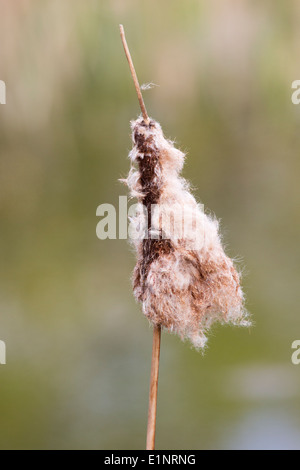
<point>153,388</point>
<point>134,75</point>
<point>150,445</point>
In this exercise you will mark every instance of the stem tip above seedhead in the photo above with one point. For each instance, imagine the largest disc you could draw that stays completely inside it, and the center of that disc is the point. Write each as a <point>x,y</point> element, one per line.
<point>134,75</point>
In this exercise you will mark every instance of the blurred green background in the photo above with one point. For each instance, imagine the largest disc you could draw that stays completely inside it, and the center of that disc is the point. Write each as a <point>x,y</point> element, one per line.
<point>78,346</point>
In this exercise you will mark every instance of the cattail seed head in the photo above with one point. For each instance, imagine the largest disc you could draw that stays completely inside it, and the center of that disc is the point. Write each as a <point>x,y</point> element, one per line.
<point>182,277</point>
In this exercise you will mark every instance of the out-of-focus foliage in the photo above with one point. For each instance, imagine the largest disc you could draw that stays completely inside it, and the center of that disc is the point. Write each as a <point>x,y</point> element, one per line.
<point>78,348</point>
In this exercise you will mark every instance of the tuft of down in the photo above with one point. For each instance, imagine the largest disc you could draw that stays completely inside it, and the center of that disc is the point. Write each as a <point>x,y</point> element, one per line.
<point>183,278</point>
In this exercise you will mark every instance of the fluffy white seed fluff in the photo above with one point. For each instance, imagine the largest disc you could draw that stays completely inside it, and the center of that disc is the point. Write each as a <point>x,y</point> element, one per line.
<point>183,278</point>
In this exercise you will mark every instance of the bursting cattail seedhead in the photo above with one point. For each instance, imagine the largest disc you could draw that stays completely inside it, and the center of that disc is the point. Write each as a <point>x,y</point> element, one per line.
<point>183,278</point>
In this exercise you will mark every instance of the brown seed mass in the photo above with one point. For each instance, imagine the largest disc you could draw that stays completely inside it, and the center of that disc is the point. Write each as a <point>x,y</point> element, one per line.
<point>182,286</point>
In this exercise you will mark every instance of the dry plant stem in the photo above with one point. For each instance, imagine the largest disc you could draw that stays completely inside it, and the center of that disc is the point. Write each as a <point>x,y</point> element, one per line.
<point>157,329</point>
<point>134,76</point>
<point>153,388</point>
